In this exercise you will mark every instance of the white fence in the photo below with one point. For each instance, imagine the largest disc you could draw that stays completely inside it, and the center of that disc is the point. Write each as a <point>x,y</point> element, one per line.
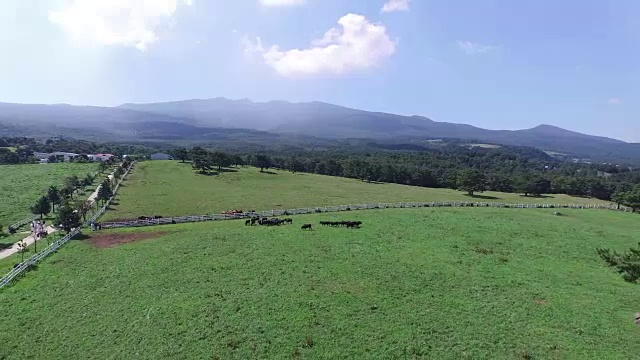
<point>28,264</point>
<point>20,223</point>
<point>326,209</point>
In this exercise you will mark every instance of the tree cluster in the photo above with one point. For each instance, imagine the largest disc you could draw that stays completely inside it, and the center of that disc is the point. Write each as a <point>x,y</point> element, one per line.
<point>203,160</point>
<point>627,264</point>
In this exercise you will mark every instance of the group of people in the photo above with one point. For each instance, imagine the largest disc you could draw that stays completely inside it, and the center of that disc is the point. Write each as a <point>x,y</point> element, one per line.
<point>37,229</point>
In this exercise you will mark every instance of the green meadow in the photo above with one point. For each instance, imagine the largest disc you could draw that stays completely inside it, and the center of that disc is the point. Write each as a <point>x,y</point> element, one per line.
<point>171,188</point>
<point>22,185</point>
<point>466,283</point>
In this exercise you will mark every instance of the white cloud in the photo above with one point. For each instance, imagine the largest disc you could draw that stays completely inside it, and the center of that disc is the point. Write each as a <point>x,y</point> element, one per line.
<point>395,5</point>
<point>475,48</point>
<point>282,2</point>
<point>116,22</point>
<point>615,101</point>
<point>356,44</point>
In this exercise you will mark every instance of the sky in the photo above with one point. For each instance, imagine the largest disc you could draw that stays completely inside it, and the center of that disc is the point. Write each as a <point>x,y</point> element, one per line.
<point>496,64</point>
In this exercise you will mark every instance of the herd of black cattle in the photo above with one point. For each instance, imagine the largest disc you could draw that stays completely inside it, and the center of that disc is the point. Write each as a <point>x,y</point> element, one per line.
<point>278,222</point>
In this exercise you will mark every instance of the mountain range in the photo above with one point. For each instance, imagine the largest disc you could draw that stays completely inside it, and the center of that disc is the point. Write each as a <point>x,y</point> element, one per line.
<point>281,121</point>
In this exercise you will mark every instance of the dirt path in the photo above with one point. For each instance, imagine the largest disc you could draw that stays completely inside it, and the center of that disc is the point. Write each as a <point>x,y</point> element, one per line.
<point>30,239</point>
<point>94,195</point>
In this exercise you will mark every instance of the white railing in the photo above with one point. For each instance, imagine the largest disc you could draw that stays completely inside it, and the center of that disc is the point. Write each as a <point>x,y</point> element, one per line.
<point>325,209</point>
<point>20,223</point>
<point>28,264</point>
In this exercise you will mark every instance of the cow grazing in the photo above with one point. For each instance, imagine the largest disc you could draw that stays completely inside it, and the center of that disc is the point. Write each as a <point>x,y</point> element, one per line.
<point>306,227</point>
<point>248,222</point>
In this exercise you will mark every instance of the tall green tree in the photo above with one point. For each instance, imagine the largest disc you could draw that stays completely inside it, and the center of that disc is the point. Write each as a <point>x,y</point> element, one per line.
<point>53,194</point>
<point>72,182</point>
<point>41,207</point>
<point>220,159</point>
<point>262,161</point>
<point>181,154</point>
<point>66,193</point>
<point>68,218</point>
<point>105,192</point>
<point>88,180</point>
<point>472,181</point>
<point>534,185</point>
<point>83,209</point>
<point>619,198</point>
<point>201,159</point>
<point>632,198</point>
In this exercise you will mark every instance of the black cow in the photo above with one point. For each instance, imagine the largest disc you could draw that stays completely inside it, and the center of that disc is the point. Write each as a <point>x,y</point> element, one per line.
<point>306,227</point>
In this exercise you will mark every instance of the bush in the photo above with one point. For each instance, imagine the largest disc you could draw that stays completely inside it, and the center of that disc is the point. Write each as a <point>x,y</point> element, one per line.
<point>12,230</point>
<point>627,264</point>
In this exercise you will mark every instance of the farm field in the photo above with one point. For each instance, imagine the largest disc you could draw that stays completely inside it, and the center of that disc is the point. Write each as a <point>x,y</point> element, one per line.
<point>465,283</point>
<point>22,185</point>
<point>171,188</point>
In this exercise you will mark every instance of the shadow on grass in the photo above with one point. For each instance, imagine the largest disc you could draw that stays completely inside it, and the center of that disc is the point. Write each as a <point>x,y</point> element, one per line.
<point>269,172</point>
<point>538,196</point>
<point>5,245</point>
<point>81,237</point>
<point>483,197</point>
<point>373,182</point>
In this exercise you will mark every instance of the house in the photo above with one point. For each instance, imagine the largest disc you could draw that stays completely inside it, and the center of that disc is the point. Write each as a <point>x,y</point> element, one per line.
<point>66,155</point>
<point>161,156</point>
<point>100,157</point>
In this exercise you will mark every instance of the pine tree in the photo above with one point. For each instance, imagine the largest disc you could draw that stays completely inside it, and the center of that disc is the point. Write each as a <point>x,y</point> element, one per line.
<point>41,207</point>
<point>105,192</point>
<point>67,218</point>
<point>53,194</point>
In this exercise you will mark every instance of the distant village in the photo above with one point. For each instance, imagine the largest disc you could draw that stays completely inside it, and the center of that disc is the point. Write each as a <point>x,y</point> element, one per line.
<point>60,156</point>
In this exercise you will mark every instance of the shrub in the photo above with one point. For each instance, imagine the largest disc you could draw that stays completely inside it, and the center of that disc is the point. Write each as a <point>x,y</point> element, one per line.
<point>12,230</point>
<point>483,251</point>
<point>627,264</point>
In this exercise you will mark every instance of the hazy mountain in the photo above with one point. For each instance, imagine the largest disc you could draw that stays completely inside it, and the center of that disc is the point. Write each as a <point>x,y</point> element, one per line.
<point>212,118</point>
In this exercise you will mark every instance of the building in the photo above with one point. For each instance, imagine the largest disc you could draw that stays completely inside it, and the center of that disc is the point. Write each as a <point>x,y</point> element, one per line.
<point>100,157</point>
<point>161,156</point>
<point>66,155</point>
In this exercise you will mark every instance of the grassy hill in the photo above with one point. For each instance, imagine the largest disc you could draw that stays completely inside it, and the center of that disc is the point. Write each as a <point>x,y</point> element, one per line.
<point>170,188</point>
<point>22,185</point>
<point>472,283</point>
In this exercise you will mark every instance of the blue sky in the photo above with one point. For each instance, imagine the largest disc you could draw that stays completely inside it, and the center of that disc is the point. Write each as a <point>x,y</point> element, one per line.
<point>498,64</point>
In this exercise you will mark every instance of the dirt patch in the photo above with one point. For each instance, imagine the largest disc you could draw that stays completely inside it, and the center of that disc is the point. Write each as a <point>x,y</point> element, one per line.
<point>540,301</point>
<point>107,240</point>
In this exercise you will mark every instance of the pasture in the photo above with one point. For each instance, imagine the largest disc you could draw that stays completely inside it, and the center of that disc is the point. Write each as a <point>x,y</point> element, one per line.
<point>470,283</point>
<point>171,188</point>
<point>22,185</point>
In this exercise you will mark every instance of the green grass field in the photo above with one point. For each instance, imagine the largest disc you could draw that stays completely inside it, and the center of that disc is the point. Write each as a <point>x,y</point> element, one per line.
<point>22,185</point>
<point>170,188</point>
<point>472,283</point>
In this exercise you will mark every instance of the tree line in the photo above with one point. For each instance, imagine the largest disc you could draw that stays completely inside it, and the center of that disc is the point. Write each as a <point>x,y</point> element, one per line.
<point>507,169</point>
<point>69,210</point>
